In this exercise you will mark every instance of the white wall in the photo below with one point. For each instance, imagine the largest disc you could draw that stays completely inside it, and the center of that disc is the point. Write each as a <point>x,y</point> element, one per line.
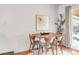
<point>17,21</point>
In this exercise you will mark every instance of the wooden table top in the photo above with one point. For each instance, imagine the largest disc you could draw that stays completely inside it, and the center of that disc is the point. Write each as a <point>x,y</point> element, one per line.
<point>47,37</point>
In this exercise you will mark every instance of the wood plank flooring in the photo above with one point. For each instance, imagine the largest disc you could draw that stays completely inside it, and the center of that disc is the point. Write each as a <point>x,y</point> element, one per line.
<point>71,51</point>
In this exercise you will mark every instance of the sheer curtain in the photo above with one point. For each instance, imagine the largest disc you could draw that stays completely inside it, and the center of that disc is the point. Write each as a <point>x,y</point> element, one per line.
<point>68,32</point>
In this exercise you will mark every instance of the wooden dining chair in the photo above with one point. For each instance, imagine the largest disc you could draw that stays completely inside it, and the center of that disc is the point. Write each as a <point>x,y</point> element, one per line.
<point>47,41</point>
<point>34,44</point>
<point>42,44</point>
<point>59,42</point>
<point>51,41</point>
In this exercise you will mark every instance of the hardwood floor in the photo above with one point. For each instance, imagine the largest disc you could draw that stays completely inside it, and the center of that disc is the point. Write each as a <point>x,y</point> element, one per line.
<point>27,52</point>
<point>73,52</point>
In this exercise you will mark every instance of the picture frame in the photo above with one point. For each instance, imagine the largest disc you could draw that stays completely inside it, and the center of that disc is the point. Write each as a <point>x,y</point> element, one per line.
<point>42,23</point>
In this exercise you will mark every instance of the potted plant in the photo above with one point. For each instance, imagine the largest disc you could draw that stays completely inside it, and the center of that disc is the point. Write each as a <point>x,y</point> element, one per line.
<point>60,22</point>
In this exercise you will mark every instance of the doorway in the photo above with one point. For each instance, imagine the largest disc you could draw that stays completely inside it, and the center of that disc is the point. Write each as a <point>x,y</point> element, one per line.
<point>75,27</point>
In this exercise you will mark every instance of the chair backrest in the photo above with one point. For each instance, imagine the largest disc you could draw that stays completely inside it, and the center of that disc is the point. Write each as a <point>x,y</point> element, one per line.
<point>48,38</point>
<point>58,36</point>
<point>32,38</point>
<point>51,37</point>
<point>42,40</point>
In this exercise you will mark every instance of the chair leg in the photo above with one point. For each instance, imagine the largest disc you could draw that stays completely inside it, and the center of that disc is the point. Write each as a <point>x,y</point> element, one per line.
<point>39,50</point>
<point>46,50</point>
<point>61,47</point>
<point>42,49</point>
<point>38,46</point>
<point>52,50</point>
<point>30,47</point>
<point>56,47</point>
<point>56,50</point>
<point>33,47</point>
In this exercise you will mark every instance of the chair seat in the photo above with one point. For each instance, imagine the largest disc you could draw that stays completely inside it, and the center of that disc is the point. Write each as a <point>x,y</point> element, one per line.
<point>36,42</point>
<point>42,44</point>
<point>39,42</point>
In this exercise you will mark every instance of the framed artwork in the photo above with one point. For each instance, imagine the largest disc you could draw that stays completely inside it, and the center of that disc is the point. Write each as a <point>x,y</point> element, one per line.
<point>42,22</point>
